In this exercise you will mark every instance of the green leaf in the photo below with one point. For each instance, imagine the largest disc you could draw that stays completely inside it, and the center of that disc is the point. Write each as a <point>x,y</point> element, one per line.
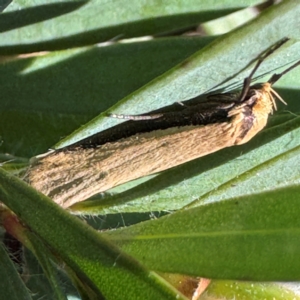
<point>254,237</point>
<point>217,63</point>
<point>96,261</point>
<point>51,25</point>
<point>11,285</point>
<point>244,290</point>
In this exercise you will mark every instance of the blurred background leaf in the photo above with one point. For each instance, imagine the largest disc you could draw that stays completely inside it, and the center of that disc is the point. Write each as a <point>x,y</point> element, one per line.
<point>53,25</point>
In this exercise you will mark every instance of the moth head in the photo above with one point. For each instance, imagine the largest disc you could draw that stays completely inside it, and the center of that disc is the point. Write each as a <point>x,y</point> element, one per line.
<point>264,92</point>
<point>273,95</point>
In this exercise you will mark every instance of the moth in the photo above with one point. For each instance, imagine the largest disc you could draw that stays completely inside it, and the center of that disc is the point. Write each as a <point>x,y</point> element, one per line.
<point>153,143</point>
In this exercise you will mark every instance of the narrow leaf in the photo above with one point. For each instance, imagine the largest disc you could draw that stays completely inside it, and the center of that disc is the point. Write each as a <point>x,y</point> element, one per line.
<point>94,259</point>
<point>248,238</point>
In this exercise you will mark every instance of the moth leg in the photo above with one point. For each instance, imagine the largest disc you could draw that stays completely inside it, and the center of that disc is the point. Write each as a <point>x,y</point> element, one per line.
<point>247,80</point>
<point>135,117</point>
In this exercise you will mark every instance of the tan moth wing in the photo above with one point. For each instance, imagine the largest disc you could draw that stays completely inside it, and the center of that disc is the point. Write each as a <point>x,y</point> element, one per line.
<point>72,176</point>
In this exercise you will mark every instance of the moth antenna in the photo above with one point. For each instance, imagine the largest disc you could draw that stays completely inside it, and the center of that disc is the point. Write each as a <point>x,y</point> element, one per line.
<point>276,77</point>
<point>135,117</point>
<point>247,80</point>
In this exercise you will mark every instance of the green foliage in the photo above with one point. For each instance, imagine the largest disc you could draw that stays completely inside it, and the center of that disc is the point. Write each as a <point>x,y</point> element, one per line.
<point>236,210</point>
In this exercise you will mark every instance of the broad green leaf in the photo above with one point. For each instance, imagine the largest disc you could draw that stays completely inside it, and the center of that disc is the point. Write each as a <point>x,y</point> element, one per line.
<point>11,285</point>
<point>254,237</point>
<point>48,25</point>
<point>213,65</point>
<point>96,261</point>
